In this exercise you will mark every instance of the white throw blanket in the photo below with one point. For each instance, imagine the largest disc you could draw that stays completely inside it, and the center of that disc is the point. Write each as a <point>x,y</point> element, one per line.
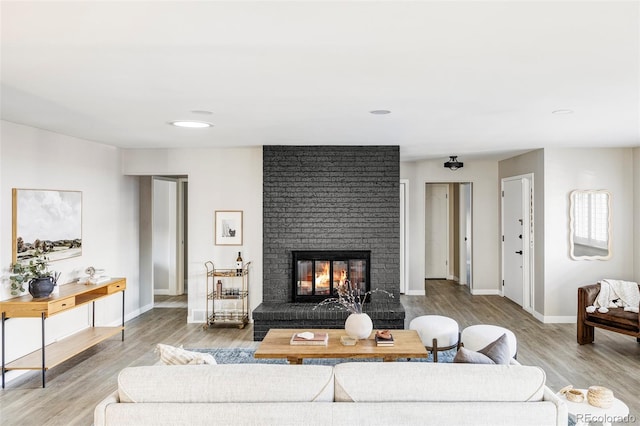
<point>616,294</point>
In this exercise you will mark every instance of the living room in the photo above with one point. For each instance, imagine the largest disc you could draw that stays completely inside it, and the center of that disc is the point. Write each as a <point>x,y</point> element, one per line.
<point>225,172</point>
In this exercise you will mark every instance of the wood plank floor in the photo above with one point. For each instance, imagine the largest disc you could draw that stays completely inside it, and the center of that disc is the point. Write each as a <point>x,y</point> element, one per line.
<point>76,386</point>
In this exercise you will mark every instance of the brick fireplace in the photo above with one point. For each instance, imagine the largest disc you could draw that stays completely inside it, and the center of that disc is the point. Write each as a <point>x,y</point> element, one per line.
<point>329,198</point>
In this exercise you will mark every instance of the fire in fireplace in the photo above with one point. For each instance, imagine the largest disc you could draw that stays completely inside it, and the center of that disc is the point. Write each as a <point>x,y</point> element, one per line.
<point>318,274</point>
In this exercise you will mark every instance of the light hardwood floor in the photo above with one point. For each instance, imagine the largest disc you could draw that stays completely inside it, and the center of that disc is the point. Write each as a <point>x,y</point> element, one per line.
<point>75,387</point>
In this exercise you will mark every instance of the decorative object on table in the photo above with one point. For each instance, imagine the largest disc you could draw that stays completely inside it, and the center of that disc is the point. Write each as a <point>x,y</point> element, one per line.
<point>95,276</point>
<point>599,396</point>
<point>35,274</point>
<point>46,220</point>
<point>384,338</point>
<point>358,324</point>
<point>348,340</point>
<point>228,228</point>
<point>573,395</point>
<point>308,338</point>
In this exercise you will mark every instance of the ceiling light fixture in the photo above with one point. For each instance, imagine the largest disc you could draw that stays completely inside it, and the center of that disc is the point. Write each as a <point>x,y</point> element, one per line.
<point>191,124</point>
<point>453,163</point>
<point>562,111</point>
<point>380,112</point>
<point>201,111</point>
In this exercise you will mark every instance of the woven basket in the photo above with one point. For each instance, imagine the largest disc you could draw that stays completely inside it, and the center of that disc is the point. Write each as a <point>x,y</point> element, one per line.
<point>599,396</point>
<point>574,395</point>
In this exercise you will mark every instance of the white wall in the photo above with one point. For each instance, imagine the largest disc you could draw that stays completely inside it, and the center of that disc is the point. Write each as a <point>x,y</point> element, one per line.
<point>485,243</point>
<point>38,159</point>
<point>609,169</point>
<point>219,179</point>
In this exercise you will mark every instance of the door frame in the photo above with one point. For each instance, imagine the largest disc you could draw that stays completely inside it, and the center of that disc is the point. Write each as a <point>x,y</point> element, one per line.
<point>404,231</point>
<point>528,281</point>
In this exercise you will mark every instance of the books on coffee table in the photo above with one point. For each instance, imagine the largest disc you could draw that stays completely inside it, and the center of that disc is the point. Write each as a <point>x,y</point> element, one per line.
<point>382,341</point>
<point>308,338</point>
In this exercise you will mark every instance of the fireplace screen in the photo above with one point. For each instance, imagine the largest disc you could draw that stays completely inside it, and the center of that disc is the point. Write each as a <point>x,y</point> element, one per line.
<point>318,274</point>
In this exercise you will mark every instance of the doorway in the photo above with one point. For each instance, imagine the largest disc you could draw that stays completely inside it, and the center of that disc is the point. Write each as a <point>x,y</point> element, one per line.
<point>168,241</point>
<point>517,240</point>
<point>449,231</point>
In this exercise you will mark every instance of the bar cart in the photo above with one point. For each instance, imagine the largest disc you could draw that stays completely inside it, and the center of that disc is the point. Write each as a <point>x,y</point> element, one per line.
<point>227,295</point>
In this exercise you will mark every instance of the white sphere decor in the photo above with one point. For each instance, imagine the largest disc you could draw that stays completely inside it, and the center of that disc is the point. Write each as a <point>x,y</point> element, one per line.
<point>358,326</point>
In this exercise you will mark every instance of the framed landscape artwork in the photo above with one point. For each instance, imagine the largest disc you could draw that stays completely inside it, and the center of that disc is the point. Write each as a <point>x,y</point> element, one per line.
<point>46,220</point>
<point>228,228</point>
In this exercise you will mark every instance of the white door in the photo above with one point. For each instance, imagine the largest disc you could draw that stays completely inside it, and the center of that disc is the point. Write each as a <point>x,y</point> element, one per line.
<point>436,230</point>
<point>512,225</point>
<point>165,236</point>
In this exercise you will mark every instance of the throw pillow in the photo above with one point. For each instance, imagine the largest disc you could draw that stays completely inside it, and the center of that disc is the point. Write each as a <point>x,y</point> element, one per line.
<point>467,356</point>
<point>496,352</point>
<point>171,355</point>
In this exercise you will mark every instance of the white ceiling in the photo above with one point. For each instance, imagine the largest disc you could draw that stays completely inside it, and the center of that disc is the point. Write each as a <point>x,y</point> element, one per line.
<point>475,79</point>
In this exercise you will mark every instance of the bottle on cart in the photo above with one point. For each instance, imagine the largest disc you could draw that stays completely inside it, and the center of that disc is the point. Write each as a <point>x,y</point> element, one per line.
<point>239,265</point>
<point>219,289</point>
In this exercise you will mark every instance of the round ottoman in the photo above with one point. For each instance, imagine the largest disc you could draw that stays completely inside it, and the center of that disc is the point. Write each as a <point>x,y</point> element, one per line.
<point>437,333</point>
<point>476,337</point>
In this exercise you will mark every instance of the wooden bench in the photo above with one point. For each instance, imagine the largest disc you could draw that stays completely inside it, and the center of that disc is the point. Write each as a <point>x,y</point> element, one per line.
<point>617,319</point>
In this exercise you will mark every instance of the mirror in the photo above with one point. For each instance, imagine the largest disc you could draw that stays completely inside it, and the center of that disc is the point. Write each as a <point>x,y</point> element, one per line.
<point>590,219</point>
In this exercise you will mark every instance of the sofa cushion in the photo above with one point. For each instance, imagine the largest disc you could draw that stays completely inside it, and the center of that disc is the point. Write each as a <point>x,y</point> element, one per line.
<point>417,381</point>
<point>171,355</point>
<point>226,383</point>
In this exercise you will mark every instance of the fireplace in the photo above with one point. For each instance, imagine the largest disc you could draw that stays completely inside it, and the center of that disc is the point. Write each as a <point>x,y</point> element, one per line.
<point>317,275</point>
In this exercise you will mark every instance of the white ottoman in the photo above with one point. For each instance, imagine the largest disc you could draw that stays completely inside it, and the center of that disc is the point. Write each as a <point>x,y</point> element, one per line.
<point>476,337</point>
<point>437,333</point>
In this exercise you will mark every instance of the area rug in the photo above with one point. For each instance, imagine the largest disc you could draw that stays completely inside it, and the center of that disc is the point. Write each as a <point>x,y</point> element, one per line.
<point>245,356</point>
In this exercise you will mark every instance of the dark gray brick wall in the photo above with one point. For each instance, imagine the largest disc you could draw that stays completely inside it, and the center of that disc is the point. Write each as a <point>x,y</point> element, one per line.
<point>330,198</point>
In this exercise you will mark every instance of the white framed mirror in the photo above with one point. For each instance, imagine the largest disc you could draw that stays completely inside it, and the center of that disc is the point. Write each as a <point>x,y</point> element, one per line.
<point>590,225</point>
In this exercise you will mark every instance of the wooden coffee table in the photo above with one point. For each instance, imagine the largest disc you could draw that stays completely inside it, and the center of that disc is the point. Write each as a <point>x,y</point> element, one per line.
<point>407,344</point>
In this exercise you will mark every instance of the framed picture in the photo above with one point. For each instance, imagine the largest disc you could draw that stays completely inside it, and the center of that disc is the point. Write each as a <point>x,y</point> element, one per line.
<point>228,228</point>
<point>46,220</point>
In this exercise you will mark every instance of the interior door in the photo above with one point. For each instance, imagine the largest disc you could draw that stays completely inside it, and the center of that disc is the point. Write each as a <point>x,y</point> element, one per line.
<point>512,223</point>
<point>436,230</point>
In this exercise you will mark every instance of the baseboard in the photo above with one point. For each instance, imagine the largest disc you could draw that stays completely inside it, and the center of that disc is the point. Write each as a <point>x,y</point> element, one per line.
<point>161,292</point>
<point>485,292</point>
<point>558,319</point>
<point>415,293</point>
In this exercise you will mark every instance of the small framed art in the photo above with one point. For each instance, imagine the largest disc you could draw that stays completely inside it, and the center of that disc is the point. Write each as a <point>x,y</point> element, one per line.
<point>228,228</point>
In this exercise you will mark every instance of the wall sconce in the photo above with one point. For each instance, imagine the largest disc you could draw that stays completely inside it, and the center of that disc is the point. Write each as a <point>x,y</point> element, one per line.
<point>453,163</point>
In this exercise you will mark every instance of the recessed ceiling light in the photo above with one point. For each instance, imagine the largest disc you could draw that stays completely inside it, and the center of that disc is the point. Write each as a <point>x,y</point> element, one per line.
<point>380,112</point>
<point>192,124</point>
<point>562,111</point>
<point>201,111</point>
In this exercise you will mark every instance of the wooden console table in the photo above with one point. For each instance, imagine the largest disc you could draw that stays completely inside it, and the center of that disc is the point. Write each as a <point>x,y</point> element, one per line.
<point>70,296</point>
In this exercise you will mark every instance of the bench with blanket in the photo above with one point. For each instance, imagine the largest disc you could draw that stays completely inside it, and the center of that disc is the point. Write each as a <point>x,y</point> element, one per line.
<point>610,305</point>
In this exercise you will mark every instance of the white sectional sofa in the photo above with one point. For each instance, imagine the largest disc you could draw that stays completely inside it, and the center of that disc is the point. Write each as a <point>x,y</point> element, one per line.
<point>354,393</point>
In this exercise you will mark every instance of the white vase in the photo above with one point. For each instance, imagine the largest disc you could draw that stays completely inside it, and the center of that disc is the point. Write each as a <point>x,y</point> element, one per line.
<point>358,326</point>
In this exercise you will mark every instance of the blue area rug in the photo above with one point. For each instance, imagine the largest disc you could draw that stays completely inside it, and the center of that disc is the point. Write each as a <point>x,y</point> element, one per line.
<point>245,356</point>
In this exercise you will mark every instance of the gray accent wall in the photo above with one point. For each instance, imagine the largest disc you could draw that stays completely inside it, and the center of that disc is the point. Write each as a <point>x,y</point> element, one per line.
<point>330,198</point>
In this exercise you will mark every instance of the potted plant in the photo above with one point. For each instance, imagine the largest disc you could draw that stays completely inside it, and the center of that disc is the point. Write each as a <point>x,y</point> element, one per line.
<point>35,274</point>
<point>358,324</point>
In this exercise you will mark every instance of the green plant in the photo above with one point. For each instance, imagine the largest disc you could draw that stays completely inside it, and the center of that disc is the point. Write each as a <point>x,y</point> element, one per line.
<point>22,273</point>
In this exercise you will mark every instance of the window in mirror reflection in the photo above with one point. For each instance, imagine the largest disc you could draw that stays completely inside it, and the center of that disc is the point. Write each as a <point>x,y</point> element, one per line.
<point>590,220</point>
